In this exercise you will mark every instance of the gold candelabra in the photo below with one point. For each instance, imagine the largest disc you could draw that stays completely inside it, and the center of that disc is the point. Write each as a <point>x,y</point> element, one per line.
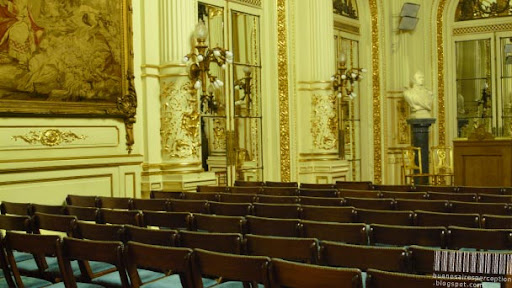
<point>345,79</point>
<point>199,62</point>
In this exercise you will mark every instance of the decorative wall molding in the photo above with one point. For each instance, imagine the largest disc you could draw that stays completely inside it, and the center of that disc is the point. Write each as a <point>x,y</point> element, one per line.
<point>49,137</point>
<point>441,108</point>
<point>324,122</point>
<point>483,29</point>
<point>377,122</point>
<point>255,3</point>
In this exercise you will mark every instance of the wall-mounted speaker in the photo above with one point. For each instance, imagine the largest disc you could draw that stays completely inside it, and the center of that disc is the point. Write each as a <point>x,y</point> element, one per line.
<point>408,15</point>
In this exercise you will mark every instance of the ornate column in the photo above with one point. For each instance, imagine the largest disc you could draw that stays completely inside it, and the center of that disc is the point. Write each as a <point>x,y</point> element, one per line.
<point>316,116</point>
<point>173,141</point>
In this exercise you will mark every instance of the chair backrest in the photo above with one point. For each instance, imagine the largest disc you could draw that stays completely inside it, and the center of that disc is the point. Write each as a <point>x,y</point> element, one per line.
<point>353,233</point>
<point>480,208</point>
<point>321,201</point>
<point>245,189</point>
<point>273,227</point>
<point>115,202</point>
<point>82,200</point>
<point>115,216</point>
<point>218,189</point>
<point>383,279</point>
<point>281,184</point>
<point>16,223</point>
<point>191,206</point>
<point>480,189</point>
<point>208,196</point>
<point>170,220</point>
<point>407,235</point>
<point>327,213</point>
<point>230,209</point>
<point>219,242</point>
<point>426,218</point>
<point>404,195</point>
<point>490,239</point>
<point>177,260</point>
<point>162,237</point>
<point>384,217</point>
<point>396,188</point>
<point>14,208</point>
<point>317,186</point>
<point>370,203</point>
<point>249,183</point>
<point>492,198</point>
<point>52,222</point>
<point>49,209</point>
<point>280,191</point>
<point>442,160</point>
<point>289,248</point>
<point>359,193</point>
<point>452,196</point>
<point>298,275</point>
<point>233,267</point>
<point>90,250</point>
<point>425,205</point>
<point>361,185</point>
<point>310,192</point>
<point>496,222</point>
<point>236,198</point>
<point>436,188</point>
<point>286,211</point>
<point>149,204</point>
<point>101,232</point>
<point>83,213</point>
<point>411,161</point>
<point>165,194</point>
<point>4,265</point>
<point>364,257</point>
<point>218,223</point>
<point>277,199</point>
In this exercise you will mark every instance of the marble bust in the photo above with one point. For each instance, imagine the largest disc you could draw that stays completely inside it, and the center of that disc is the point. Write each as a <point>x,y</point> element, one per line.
<point>419,98</point>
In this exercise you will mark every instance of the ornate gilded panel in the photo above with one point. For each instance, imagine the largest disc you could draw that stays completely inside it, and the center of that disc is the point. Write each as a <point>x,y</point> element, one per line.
<point>481,9</point>
<point>324,122</point>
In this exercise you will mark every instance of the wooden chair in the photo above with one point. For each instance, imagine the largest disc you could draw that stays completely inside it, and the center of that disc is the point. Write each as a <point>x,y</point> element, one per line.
<point>169,220</point>
<point>53,222</point>
<point>364,257</point>
<point>237,198</point>
<point>42,245</point>
<point>114,216</point>
<point>99,251</point>
<point>245,189</point>
<point>233,268</point>
<point>273,227</point>
<point>82,200</point>
<point>277,199</point>
<point>317,186</point>
<point>466,197</point>
<point>298,275</point>
<point>359,193</point>
<point>423,259</point>
<point>6,279</point>
<point>492,198</point>
<point>426,218</point>
<point>285,211</point>
<point>442,164</point>
<point>100,232</point>
<point>161,237</point>
<point>478,190</point>
<point>404,195</point>
<point>230,209</point>
<point>20,223</point>
<point>383,279</point>
<point>13,208</point>
<point>165,195</point>
<point>480,208</point>
<point>49,209</point>
<point>395,188</point>
<point>218,223</point>
<point>149,204</point>
<point>208,196</point>
<point>281,184</point>
<point>359,185</point>
<point>496,222</point>
<point>436,188</point>
<point>425,205</point>
<point>83,213</point>
<point>434,236</point>
<point>488,239</point>
<point>327,213</point>
<point>216,189</point>
<point>115,202</point>
<point>353,233</point>
<point>289,248</point>
<point>370,203</point>
<point>280,191</point>
<point>191,206</point>
<point>411,166</point>
<point>218,242</point>
<point>249,183</point>
<point>327,193</point>
<point>367,216</point>
<point>320,201</point>
<point>177,260</point>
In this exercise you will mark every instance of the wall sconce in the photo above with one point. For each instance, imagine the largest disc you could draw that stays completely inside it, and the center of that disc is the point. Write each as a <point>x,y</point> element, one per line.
<point>199,67</point>
<point>245,85</point>
<point>345,79</point>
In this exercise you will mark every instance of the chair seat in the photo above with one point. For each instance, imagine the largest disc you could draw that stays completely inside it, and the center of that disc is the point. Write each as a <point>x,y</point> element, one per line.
<point>114,280</point>
<point>21,256</point>
<point>78,285</point>
<point>233,284</point>
<point>169,281</point>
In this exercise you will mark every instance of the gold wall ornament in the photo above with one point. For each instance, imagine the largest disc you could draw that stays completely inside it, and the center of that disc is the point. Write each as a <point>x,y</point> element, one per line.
<point>50,137</point>
<point>219,134</point>
<point>347,8</point>
<point>483,29</point>
<point>179,121</point>
<point>127,104</point>
<point>403,127</point>
<point>441,110</point>
<point>377,122</point>
<point>324,122</point>
<point>481,9</point>
<point>284,106</point>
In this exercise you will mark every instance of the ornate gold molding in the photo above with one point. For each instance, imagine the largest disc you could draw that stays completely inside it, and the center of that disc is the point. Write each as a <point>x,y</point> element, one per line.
<point>377,123</point>
<point>324,122</point>
<point>347,28</point>
<point>284,114</point>
<point>483,29</point>
<point>50,137</point>
<point>440,75</point>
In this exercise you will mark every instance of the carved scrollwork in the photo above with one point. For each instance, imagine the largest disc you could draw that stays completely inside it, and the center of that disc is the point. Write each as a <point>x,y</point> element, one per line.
<point>50,137</point>
<point>127,104</point>
<point>324,122</point>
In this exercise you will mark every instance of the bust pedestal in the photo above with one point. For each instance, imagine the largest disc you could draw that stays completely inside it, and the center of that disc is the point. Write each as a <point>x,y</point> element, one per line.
<point>420,130</point>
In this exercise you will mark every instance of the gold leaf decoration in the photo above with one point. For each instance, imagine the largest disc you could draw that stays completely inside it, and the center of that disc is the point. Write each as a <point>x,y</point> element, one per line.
<point>50,137</point>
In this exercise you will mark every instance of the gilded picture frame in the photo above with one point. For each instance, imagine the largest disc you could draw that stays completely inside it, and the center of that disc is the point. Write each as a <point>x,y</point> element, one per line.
<point>67,59</point>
